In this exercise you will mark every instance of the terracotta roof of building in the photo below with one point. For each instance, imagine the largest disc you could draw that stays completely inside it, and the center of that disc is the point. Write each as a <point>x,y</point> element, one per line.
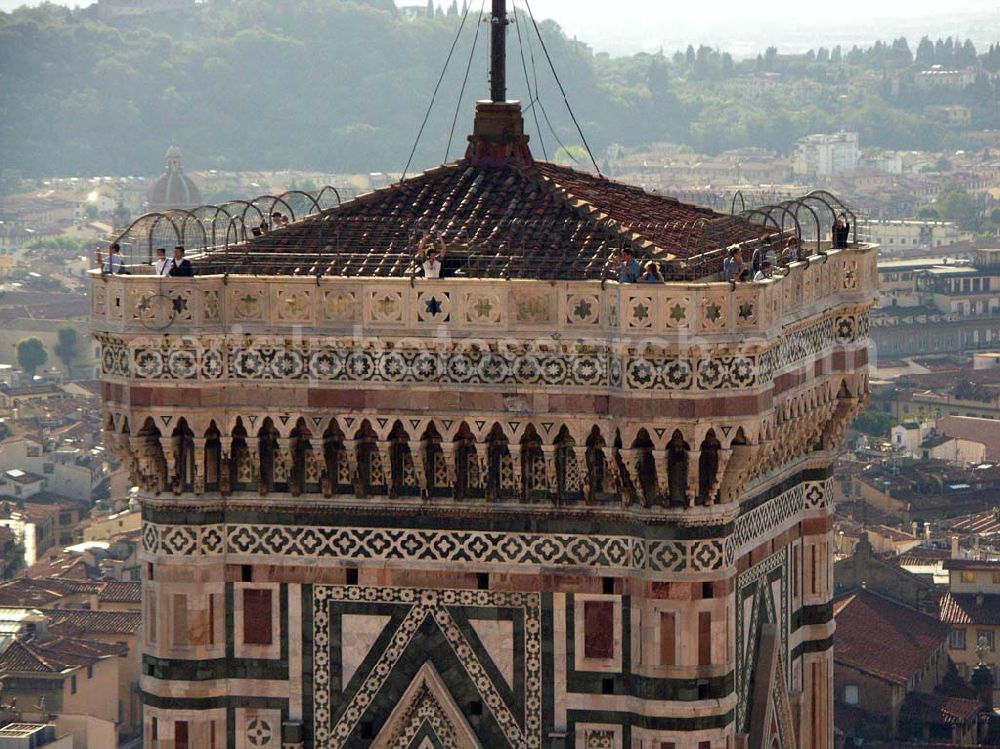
<point>74,623</point>
<point>883,638</point>
<point>501,214</point>
<point>986,431</point>
<point>53,654</point>
<point>936,708</point>
<point>987,565</point>
<point>116,591</point>
<point>970,608</point>
<point>40,592</point>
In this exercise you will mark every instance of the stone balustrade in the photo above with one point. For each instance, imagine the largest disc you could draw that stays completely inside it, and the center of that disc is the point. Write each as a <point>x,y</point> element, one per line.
<point>143,304</point>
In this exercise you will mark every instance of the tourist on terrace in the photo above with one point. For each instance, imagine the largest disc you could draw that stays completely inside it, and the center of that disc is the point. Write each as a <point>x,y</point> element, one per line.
<point>845,230</point>
<point>791,252</point>
<point>651,273</point>
<point>163,264</point>
<point>841,231</point>
<point>764,273</point>
<point>430,258</point>
<point>734,268</point>
<point>181,266</point>
<point>114,262</point>
<point>628,267</point>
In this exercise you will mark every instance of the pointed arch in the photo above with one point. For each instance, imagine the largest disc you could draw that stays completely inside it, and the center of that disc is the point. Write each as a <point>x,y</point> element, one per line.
<point>597,466</point>
<point>242,464</point>
<point>645,468</point>
<point>213,457</point>
<point>499,465</point>
<point>534,482</point>
<point>467,479</point>
<point>677,470</point>
<point>708,467</point>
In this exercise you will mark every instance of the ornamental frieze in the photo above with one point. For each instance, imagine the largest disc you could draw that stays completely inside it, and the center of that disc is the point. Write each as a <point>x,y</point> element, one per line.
<point>622,553</point>
<point>590,366</point>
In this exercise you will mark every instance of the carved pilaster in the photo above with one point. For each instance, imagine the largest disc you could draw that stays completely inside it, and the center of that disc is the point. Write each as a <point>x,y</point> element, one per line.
<point>662,477</point>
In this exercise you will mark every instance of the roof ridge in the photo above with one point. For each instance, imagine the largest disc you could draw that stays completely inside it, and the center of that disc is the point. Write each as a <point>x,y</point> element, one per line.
<point>604,220</point>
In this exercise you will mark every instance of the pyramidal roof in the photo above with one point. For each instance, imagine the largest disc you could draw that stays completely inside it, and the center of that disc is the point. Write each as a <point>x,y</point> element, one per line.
<point>500,214</point>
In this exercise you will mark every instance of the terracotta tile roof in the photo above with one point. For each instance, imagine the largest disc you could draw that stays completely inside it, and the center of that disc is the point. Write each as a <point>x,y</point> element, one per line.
<point>987,565</point>
<point>975,429</point>
<point>518,220</point>
<point>883,638</point>
<point>936,708</point>
<point>116,591</point>
<point>54,654</point>
<point>74,623</point>
<point>969,608</point>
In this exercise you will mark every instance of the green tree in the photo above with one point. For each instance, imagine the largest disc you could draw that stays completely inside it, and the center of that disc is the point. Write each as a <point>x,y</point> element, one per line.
<point>31,354</point>
<point>430,8</point>
<point>874,423</point>
<point>956,204</point>
<point>67,347</point>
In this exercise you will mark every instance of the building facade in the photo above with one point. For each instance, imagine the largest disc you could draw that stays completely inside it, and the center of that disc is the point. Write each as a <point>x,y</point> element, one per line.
<point>518,506</point>
<point>826,154</point>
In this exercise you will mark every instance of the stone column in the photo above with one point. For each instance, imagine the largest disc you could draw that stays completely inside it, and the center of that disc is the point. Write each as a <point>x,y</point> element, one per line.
<point>169,445</point>
<point>199,465</point>
<point>694,466</point>
<point>225,469</point>
<point>384,448</point>
<point>724,456</point>
<point>631,486</point>
<point>448,452</point>
<point>583,472</point>
<point>350,454</point>
<point>253,457</point>
<point>515,460</point>
<point>549,453</point>
<point>660,460</point>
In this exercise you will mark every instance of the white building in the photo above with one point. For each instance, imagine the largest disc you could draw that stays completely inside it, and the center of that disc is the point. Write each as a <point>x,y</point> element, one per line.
<point>915,234</point>
<point>826,154</point>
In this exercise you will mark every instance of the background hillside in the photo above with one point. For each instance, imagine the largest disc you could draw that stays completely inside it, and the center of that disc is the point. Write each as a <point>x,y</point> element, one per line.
<point>342,86</point>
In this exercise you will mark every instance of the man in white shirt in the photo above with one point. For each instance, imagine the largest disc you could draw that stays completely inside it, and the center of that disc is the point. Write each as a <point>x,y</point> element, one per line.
<point>163,264</point>
<point>764,273</point>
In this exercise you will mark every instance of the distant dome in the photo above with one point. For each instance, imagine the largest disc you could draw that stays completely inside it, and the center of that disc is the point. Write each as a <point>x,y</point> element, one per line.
<point>173,189</point>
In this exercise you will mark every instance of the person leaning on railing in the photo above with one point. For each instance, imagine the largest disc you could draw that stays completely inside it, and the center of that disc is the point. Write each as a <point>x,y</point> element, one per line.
<point>182,267</point>
<point>114,263</point>
<point>651,273</point>
<point>627,266</point>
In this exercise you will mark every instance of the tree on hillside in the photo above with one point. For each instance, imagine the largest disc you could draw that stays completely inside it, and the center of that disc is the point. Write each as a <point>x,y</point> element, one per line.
<point>453,8</point>
<point>31,354</point>
<point>430,8</point>
<point>67,347</point>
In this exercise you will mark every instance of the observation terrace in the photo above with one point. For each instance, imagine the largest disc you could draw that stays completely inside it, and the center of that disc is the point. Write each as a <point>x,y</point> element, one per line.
<point>658,400</point>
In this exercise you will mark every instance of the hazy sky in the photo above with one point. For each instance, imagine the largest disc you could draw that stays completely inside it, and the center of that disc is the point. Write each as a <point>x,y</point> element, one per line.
<point>747,26</point>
